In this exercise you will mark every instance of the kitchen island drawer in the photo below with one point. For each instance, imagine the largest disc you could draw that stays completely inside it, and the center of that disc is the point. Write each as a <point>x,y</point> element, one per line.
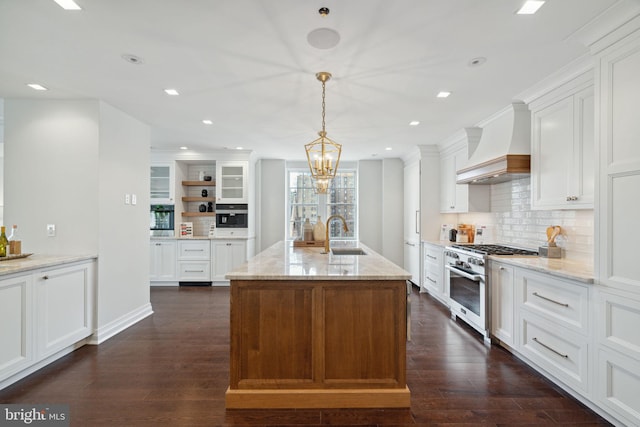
<point>194,249</point>
<point>563,302</point>
<point>194,271</point>
<point>558,351</point>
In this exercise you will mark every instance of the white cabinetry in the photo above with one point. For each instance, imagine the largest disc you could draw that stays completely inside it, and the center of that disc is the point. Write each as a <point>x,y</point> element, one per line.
<point>618,303</point>
<point>554,325</point>
<point>162,183</point>
<point>412,220</point>
<point>64,301</point>
<point>502,282</point>
<point>231,181</point>
<point>194,261</point>
<point>460,198</point>
<point>618,353</point>
<point>163,254</point>
<point>227,254</point>
<point>562,152</point>
<point>434,272</point>
<point>44,314</point>
<point>16,325</point>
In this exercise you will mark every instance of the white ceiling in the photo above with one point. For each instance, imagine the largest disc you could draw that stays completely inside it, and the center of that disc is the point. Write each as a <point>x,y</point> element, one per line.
<point>247,65</point>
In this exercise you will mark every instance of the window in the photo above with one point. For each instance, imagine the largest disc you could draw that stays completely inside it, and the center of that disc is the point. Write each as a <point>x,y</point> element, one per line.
<point>304,202</point>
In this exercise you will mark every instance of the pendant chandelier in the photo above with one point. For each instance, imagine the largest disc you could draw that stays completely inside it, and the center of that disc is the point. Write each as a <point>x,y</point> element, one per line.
<point>323,154</point>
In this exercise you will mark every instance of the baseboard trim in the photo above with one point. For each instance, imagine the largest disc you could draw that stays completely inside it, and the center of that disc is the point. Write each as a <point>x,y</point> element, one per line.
<point>120,324</point>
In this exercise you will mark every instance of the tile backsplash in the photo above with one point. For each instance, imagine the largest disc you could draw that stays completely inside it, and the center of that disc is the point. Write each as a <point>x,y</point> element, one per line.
<point>516,223</point>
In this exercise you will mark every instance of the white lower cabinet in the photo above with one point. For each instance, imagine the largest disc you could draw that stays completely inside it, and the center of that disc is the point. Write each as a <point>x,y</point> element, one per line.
<point>553,326</point>
<point>434,272</point>
<point>502,283</point>
<point>163,255</point>
<point>194,261</point>
<point>618,354</point>
<point>227,254</point>
<point>44,314</point>
<point>16,325</point>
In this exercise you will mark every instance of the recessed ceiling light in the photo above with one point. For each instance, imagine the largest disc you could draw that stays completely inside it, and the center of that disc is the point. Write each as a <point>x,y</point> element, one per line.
<point>476,62</point>
<point>388,148</point>
<point>443,94</point>
<point>132,59</point>
<point>184,148</point>
<point>68,4</point>
<point>414,123</point>
<point>171,92</point>
<point>239,148</point>
<point>530,7</point>
<point>36,86</point>
<point>207,122</point>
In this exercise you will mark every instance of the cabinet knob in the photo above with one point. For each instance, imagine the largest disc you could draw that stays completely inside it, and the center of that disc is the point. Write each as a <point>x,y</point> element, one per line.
<point>228,244</point>
<point>501,268</point>
<point>45,277</point>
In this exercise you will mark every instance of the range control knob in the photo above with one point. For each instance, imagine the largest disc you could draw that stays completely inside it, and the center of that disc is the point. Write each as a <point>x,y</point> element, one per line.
<point>476,261</point>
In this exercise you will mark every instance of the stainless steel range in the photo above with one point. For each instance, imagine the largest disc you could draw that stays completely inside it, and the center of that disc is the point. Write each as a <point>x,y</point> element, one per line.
<point>466,276</point>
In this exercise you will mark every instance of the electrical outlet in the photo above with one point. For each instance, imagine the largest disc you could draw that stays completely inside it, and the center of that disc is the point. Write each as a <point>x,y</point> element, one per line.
<point>51,230</point>
<point>134,199</point>
<point>127,199</point>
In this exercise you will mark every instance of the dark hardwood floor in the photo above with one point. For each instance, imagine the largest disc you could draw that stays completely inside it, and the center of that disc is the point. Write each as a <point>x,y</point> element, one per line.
<point>171,369</point>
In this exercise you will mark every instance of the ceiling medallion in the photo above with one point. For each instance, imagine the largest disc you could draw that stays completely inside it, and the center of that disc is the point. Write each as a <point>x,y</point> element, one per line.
<point>322,152</point>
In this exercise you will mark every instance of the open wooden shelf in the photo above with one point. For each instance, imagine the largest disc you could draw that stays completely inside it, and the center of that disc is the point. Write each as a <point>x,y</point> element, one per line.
<point>198,199</point>
<point>198,214</point>
<point>199,183</point>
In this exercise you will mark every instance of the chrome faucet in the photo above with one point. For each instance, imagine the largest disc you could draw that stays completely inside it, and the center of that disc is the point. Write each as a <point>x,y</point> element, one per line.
<point>326,236</point>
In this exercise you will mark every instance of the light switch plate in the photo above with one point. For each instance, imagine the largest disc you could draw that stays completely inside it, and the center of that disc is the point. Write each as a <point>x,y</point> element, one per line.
<point>51,230</point>
<point>127,199</point>
<point>134,199</point>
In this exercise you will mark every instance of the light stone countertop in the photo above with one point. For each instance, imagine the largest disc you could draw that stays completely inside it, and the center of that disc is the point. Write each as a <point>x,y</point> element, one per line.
<point>561,267</point>
<point>36,262</point>
<point>284,262</point>
<point>198,238</point>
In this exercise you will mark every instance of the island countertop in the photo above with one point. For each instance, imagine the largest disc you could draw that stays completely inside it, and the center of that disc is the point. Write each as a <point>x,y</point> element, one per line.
<point>283,261</point>
<point>38,261</point>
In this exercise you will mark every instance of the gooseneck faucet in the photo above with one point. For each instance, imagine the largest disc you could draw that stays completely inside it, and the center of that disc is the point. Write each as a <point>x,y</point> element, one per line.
<point>326,236</point>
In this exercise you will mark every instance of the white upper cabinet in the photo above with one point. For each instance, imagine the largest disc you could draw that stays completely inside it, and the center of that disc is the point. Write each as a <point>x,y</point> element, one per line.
<point>162,184</point>
<point>562,146</point>
<point>460,198</point>
<point>231,182</point>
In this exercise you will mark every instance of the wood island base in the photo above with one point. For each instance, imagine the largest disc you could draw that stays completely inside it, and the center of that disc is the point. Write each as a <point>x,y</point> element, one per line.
<point>316,399</point>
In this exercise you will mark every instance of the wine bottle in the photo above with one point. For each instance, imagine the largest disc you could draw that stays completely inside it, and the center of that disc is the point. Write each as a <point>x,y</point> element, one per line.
<point>4,242</point>
<point>15,245</point>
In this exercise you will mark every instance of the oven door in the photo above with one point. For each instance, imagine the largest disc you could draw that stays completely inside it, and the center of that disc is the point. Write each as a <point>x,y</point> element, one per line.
<point>468,297</point>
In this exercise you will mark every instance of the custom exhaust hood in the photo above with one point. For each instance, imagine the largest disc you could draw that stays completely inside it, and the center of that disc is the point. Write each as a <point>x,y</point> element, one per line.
<point>504,150</point>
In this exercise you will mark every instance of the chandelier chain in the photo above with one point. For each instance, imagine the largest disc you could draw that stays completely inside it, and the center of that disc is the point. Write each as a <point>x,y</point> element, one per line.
<point>323,106</point>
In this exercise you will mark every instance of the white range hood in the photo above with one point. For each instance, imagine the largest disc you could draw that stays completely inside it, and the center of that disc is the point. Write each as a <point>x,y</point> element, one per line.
<point>504,150</point>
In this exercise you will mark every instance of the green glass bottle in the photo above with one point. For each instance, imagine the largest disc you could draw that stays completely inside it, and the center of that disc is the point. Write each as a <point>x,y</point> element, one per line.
<point>4,242</point>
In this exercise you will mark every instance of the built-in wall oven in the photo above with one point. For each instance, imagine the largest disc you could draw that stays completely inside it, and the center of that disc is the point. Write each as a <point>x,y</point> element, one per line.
<point>162,220</point>
<point>466,278</point>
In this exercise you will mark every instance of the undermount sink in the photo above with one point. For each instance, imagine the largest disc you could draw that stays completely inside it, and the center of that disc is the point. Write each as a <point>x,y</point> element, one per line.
<point>348,251</point>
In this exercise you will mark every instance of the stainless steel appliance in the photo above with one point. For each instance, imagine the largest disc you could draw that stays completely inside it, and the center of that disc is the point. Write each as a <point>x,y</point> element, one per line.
<point>466,277</point>
<point>231,216</point>
<point>162,220</point>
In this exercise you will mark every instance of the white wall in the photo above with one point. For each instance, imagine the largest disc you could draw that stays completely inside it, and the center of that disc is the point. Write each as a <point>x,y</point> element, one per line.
<point>123,245</point>
<point>71,162</point>
<point>271,202</point>
<point>380,207</point>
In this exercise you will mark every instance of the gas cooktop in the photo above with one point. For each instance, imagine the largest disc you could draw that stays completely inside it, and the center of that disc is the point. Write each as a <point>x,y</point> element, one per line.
<point>494,250</point>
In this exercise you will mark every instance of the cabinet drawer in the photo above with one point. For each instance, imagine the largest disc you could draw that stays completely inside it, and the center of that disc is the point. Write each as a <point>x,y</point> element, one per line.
<point>618,378</point>
<point>197,271</point>
<point>618,321</point>
<point>197,249</point>
<point>562,302</point>
<point>433,254</point>
<point>562,353</point>
<point>432,275</point>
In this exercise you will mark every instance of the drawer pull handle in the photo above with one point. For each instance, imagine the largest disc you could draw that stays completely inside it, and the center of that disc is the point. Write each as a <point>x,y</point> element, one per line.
<point>566,356</point>
<point>550,300</point>
<point>431,280</point>
<point>431,256</point>
<point>194,271</point>
<point>194,250</point>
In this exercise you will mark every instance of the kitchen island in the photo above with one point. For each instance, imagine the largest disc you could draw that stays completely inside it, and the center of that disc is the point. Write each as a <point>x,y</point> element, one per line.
<point>313,330</point>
